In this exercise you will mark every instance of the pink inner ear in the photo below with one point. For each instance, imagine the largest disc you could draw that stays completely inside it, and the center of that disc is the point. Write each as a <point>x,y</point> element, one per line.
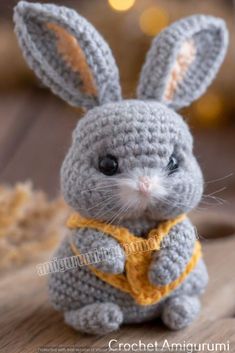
<point>71,52</point>
<point>184,59</point>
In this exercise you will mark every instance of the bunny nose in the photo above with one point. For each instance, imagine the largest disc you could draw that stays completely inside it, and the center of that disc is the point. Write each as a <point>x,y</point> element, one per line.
<point>144,185</point>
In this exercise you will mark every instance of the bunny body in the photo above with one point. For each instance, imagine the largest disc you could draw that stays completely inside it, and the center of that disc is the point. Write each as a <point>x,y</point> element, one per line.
<point>141,135</point>
<point>131,162</point>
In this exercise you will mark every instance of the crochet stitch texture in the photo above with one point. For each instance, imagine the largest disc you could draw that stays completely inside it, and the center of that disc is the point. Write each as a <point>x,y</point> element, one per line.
<point>135,280</point>
<point>146,138</point>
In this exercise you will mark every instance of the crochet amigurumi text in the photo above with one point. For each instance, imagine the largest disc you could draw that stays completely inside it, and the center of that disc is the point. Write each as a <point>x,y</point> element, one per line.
<point>130,174</point>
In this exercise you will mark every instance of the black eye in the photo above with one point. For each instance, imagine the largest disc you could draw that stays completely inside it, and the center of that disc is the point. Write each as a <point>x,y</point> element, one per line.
<point>108,164</point>
<point>172,165</point>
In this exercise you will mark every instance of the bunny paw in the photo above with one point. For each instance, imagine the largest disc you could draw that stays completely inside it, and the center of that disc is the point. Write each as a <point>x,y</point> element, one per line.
<point>97,319</point>
<point>179,312</point>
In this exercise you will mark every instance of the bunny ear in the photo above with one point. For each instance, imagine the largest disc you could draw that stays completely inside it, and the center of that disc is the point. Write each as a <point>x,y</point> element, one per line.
<point>183,61</point>
<point>67,54</point>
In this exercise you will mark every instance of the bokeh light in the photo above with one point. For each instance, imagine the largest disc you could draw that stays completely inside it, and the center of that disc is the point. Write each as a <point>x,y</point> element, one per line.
<point>121,5</point>
<point>209,110</point>
<point>153,20</point>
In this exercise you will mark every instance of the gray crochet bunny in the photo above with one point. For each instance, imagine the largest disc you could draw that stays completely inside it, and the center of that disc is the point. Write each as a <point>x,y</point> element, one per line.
<point>131,162</point>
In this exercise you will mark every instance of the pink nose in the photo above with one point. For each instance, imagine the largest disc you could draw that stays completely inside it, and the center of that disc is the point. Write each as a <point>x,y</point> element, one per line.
<point>144,185</point>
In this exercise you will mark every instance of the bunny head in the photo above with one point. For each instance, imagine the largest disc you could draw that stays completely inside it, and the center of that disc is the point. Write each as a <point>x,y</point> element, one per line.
<point>129,158</point>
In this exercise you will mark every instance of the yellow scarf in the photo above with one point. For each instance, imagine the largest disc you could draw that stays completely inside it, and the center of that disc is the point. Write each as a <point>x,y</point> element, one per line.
<point>135,279</point>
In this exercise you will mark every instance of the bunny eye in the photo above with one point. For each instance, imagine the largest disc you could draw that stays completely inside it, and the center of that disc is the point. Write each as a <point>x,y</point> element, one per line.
<point>173,165</point>
<point>108,165</point>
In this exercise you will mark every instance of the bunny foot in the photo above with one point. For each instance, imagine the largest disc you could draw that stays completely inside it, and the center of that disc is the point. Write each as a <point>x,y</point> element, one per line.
<point>179,312</point>
<point>97,319</point>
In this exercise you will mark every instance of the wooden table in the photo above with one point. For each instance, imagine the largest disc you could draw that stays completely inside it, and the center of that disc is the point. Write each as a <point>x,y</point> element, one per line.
<point>34,135</point>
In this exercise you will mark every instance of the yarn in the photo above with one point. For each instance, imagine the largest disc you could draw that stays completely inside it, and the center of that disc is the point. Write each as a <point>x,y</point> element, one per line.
<point>135,280</point>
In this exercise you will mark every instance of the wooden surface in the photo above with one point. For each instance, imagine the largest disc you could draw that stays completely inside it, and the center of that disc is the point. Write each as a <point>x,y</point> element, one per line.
<point>35,132</point>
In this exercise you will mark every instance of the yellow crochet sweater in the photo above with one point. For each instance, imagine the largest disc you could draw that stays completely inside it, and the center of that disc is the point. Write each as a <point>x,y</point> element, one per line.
<point>135,279</point>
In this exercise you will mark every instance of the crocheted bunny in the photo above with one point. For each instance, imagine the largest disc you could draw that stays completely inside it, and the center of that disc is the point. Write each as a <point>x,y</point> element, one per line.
<point>130,166</point>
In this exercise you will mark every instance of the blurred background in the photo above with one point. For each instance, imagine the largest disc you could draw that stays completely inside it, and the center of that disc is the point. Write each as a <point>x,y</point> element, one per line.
<point>35,133</point>
<point>35,127</point>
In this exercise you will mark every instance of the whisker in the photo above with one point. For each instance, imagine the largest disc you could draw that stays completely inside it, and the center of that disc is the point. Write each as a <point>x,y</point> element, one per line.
<point>100,213</point>
<point>128,206</point>
<point>219,200</point>
<point>118,214</point>
<point>99,188</point>
<point>217,191</point>
<point>100,203</point>
<point>178,204</point>
<point>207,203</point>
<point>219,179</point>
